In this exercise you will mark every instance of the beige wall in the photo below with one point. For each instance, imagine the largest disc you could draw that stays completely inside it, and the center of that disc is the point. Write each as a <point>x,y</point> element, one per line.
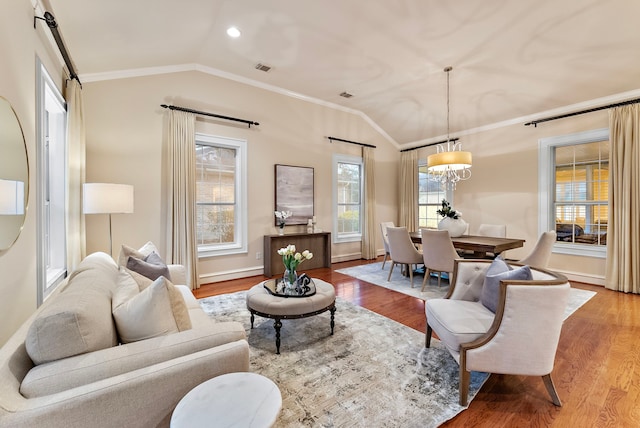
<point>125,145</point>
<point>20,43</point>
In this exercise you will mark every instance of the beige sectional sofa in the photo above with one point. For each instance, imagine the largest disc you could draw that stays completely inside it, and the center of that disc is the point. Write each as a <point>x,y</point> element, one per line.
<point>84,376</point>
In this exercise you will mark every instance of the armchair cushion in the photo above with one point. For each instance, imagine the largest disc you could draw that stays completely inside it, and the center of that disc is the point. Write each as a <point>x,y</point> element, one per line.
<point>458,321</point>
<point>491,287</point>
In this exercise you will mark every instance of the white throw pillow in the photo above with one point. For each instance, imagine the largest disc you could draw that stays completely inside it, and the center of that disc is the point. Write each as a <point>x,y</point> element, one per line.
<point>155,311</point>
<point>144,251</point>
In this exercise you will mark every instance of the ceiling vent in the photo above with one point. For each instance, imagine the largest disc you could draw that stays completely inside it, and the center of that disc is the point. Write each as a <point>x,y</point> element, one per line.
<point>262,67</point>
<point>346,95</point>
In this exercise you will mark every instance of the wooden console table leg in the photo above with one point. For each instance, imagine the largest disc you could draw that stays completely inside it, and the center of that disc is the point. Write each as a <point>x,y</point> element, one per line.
<point>277,324</point>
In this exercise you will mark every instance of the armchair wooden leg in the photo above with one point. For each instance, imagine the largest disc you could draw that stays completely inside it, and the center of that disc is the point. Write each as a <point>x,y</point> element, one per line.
<point>465,378</point>
<point>427,338</point>
<point>551,389</point>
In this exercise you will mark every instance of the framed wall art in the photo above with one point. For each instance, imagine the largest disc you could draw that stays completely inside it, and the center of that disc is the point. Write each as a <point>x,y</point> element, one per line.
<point>294,192</point>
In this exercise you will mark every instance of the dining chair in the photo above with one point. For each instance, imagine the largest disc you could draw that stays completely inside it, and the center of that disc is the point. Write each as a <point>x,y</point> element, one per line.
<point>539,256</point>
<point>402,250</point>
<point>385,240</point>
<point>438,254</point>
<point>493,230</point>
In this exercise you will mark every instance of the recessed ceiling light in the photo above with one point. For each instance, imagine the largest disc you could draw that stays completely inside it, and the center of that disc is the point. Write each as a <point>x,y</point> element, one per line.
<point>233,32</point>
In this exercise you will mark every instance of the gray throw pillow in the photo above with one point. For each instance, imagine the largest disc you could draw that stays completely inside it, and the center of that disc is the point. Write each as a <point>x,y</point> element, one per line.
<point>491,287</point>
<point>153,267</point>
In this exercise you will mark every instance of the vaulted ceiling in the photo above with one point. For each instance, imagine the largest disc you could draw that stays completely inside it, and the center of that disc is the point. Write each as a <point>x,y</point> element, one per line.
<point>510,59</point>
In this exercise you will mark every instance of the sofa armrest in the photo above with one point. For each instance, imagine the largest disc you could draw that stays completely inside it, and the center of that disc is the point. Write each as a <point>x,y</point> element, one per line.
<point>94,366</point>
<point>143,397</point>
<point>178,274</point>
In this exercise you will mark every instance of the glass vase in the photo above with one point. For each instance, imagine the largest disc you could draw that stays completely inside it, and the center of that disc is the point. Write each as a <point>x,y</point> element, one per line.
<point>290,277</point>
<point>280,231</point>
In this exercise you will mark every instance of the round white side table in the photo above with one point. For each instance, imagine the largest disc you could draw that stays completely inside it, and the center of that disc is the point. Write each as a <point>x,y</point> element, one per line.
<point>230,400</point>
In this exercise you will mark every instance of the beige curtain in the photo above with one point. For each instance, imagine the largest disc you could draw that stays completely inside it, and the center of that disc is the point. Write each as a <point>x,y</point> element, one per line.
<point>181,194</point>
<point>408,190</point>
<point>76,151</point>
<point>369,227</point>
<point>623,229</point>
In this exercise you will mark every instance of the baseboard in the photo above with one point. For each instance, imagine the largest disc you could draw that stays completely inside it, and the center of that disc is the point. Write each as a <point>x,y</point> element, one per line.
<point>581,277</point>
<point>209,278</point>
<point>346,257</point>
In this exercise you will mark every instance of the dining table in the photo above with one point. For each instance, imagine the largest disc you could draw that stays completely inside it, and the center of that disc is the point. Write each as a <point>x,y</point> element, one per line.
<point>481,246</point>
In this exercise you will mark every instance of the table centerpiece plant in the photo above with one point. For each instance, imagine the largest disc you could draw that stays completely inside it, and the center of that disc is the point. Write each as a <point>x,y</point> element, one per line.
<point>451,221</point>
<point>291,259</point>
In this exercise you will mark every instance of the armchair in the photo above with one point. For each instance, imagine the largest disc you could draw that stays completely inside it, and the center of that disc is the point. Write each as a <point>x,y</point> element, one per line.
<point>520,338</point>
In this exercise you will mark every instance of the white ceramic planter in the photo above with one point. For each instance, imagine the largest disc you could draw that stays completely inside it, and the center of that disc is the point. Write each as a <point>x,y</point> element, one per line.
<point>455,227</point>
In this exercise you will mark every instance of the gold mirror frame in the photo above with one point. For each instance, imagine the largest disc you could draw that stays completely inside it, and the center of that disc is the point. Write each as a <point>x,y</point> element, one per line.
<point>14,176</point>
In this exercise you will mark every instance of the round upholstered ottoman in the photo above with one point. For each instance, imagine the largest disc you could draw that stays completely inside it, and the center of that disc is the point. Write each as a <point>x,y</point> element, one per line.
<point>264,303</point>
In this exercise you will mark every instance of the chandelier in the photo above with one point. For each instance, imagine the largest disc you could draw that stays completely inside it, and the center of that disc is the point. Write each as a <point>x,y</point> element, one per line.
<point>449,164</point>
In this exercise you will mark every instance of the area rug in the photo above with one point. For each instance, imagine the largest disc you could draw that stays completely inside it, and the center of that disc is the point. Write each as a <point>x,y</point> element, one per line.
<point>373,372</point>
<point>374,274</point>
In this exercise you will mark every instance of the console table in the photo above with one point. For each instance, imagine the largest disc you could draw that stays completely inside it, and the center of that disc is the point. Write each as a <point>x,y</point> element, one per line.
<point>318,243</point>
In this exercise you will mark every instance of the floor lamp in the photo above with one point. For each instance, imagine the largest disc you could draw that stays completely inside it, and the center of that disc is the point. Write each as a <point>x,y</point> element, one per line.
<point>107,198</point>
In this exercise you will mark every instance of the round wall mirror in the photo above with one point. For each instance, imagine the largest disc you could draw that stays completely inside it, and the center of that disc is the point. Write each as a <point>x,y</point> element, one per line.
<point>14,176</point>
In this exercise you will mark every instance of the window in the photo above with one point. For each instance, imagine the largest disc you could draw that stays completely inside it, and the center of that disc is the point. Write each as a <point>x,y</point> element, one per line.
<point>430,196</point>
<point>347,195</point>
<point>52,182</point>
<point>221,195</point>
<point>575,180</point>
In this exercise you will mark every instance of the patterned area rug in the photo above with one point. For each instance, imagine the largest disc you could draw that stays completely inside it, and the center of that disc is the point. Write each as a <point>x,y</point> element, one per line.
<point>373,372</point>
<point>374,274</point>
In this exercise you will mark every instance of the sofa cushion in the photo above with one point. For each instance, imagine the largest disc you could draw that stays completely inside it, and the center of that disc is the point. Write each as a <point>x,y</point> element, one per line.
<point>155,311</point>
<point>79,319</point>
<point>491,287</point>
<point>141,253</point>
<point>152,266</point>
<point>458,321</point>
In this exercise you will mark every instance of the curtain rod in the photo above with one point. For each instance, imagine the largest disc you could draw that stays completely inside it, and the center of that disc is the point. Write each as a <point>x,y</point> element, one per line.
<point>204,113</point>
<point>53,26</point>
<point>562,116</point>
<point>430,144</point>
<point>331,139</point>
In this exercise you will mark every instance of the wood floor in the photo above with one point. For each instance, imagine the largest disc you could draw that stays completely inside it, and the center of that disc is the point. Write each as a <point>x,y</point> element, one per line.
<point>597,370</point>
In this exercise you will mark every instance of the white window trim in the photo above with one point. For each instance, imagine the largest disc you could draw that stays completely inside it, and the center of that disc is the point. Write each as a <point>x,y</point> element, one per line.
<point>357,160</point>
<point>44,82</point>
<point>240,246</point>
<point>448,191</point>
<point>546,173</point>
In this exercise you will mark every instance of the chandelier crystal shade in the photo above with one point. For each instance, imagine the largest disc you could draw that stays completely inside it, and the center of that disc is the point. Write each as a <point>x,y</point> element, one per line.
<point>450,163</point>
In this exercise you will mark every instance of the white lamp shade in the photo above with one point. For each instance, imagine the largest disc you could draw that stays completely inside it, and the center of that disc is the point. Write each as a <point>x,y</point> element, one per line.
<point>107,198</point>
<point>11,197</point>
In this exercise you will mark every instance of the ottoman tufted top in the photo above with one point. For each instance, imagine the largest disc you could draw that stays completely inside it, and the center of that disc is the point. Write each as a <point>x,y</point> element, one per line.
<point>260,300</point>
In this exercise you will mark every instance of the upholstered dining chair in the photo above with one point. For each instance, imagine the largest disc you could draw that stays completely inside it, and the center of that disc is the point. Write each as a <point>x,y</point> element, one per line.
<point>539,256</point>
<point>494,230</point>
<point>402,250</point>
<point>438,254</point>
<point>385,240</point>
<point>520,338</point>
